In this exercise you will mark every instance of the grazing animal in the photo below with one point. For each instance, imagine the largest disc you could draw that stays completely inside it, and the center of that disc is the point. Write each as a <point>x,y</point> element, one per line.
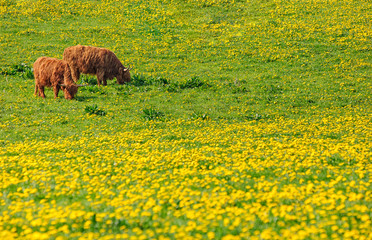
<point>55,73</point>
<point>97,61</point>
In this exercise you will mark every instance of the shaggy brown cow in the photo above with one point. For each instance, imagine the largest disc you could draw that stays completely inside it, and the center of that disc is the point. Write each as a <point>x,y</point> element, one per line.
<point>55,73</point>
<point>97,61</point>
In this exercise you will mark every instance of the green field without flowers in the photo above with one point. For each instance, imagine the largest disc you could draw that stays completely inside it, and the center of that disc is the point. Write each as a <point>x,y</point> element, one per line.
<point>243,120</point>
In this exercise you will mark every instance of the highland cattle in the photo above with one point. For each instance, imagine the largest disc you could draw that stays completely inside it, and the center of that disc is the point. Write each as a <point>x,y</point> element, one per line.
<point>96,61</point>
<point>55,73</point>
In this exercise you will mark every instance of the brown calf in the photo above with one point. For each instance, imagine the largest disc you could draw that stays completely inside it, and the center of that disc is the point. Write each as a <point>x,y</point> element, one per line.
<point>55,73</point>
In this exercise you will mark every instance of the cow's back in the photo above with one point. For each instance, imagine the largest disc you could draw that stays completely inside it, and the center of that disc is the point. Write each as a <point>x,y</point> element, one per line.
<point>88,59</point>
<point>43,70</point>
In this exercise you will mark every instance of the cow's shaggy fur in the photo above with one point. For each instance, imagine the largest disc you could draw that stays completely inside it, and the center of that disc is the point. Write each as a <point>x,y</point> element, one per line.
<point>97,61</point>
<point>55,73</point>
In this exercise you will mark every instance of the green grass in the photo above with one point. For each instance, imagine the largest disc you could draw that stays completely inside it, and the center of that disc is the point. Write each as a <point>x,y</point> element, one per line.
<point>258,105</point>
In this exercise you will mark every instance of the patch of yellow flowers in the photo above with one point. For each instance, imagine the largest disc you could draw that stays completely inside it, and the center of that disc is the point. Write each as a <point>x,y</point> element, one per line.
<point>191,179</point>
<point>293,179</point>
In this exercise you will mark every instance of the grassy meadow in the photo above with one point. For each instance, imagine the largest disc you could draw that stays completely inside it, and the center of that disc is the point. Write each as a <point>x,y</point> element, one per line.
<point>243,120</point>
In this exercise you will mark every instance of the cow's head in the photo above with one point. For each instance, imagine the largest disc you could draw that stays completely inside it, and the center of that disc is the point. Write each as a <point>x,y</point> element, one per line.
<point>70,90</point>
<point>124,75</point>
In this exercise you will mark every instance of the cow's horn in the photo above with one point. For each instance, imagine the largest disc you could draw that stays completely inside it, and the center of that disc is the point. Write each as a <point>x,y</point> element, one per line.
<point>82,85</point>
<point>63,85</point>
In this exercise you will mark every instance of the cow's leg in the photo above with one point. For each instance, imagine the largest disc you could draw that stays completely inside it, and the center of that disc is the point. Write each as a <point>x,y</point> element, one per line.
<point>100,77</point>
<point>41,91</point>
<point>37,81</point>
<point>75,73</point>
<point>56,90</point>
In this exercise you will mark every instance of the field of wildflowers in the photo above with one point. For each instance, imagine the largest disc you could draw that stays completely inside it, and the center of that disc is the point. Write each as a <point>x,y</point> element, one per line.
<point>244,120</point>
